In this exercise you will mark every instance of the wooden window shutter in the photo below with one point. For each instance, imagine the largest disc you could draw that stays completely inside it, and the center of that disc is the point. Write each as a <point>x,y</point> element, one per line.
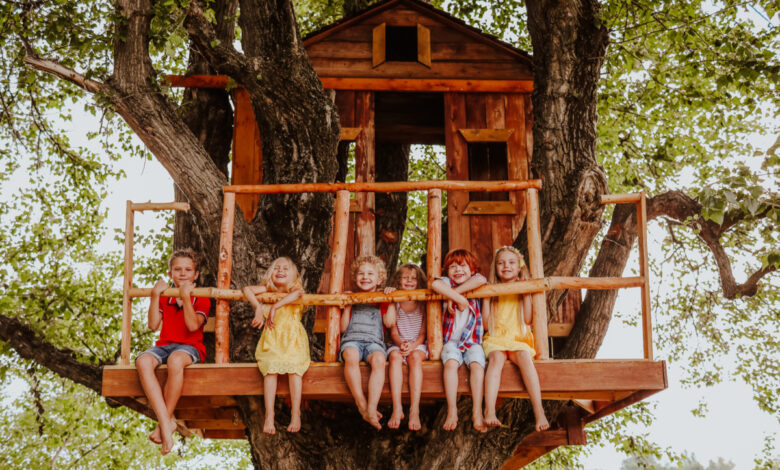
<point>423,45</point>
<point>379,41</point>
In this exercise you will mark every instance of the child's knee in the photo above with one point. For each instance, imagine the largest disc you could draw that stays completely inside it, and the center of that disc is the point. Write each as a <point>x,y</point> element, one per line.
<point>178,361</point>
<point>395,357</point>
<point>146,362</point>
<point>416,357</point>
<point>377,359</point>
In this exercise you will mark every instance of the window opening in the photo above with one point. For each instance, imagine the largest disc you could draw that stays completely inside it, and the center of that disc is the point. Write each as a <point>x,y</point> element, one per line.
<point>401,44</point>
<point>487,162</point>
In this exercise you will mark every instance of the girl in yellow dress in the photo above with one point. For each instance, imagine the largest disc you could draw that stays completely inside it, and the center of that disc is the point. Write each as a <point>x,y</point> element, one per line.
<point>507,319</point>
<point>284,345</point>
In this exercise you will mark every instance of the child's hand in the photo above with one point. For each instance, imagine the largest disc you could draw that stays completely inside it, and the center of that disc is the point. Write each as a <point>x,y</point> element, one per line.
<point>185,289</point>
<point>159,286</point>
<point>257,322</point>
<point>270,322</point>
<point>389,290</point>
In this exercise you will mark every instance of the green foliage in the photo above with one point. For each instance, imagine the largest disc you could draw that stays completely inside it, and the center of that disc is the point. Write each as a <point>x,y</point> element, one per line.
<point>425,163</point>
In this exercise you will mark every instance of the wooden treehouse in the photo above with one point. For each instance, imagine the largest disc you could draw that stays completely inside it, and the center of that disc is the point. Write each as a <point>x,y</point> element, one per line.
<point>402,71</point>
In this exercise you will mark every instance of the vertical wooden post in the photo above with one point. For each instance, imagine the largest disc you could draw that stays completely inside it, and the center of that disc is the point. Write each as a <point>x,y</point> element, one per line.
<point>337,255</point>
<point>127,284</point>
<point>536,267</point>
<point>247,151</point>
<point>222,321</point>
<point>644,271</point>
<point>459,231</point>
<point>365,171</point>
<point>433,269</point>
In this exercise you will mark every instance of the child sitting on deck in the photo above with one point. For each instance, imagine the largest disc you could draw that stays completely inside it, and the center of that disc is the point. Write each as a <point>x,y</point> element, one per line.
<point>180,343</point>
<point>284,345</point>
<point>408,335</point>
<point>363,338</point>
<point>462,323</point>
<point>509,336</point>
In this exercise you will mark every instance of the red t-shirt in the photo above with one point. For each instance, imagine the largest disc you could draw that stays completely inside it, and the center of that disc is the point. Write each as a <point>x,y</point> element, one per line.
<point>174,330</point>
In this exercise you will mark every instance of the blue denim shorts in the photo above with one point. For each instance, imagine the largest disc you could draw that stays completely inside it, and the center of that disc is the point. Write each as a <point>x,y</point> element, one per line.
<point>162,353</point>
<point>365,348</point>
<point>473,354</point>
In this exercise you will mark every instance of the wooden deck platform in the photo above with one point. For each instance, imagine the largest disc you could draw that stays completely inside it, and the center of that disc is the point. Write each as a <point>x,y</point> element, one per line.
<point>600,386</point>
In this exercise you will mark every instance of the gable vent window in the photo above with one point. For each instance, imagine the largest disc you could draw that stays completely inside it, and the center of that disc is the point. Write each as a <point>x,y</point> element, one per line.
<point>401,44</point>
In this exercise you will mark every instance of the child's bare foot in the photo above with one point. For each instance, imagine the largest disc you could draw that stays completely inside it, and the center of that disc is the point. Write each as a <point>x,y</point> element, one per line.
<point>414,421</point>
<point>374,417</point>
<point>479,423</point>
<point>542,424</point>
<point>492,420</point>
<point>395,419</point>
<point>268,425</point>
<point>167,429</point>
<point>155,435</point>
<point>452,420</point>
<point>295,424</point>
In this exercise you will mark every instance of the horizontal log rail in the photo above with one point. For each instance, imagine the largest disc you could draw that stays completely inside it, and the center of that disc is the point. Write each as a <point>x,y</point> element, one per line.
<point>384,187</point>
<point>422,295</point>
<point>537,286</point>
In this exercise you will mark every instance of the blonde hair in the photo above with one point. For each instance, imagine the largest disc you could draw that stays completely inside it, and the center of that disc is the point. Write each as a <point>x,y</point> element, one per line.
<point>493,275</point>
<point>376,261</point>
<point>494,279</point>
<point>294,281</point>
<point>395,280</point>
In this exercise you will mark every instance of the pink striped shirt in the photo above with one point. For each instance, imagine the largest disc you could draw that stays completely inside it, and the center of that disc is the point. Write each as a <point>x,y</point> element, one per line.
<point>409,323</point>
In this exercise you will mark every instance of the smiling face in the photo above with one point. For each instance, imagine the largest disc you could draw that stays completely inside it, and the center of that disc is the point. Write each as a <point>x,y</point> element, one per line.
<point>459,272</point>
<point>367,277</point>
<point>408,279</point>
<point>183,271</point>
<point>281,273</point>
<point>507,266</point>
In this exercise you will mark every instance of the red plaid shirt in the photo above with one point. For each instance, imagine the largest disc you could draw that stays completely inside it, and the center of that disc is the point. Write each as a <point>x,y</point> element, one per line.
<point>473,331</point>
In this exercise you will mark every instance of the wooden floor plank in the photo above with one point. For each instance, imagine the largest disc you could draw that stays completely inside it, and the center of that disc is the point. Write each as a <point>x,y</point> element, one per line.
<point>607,380</point>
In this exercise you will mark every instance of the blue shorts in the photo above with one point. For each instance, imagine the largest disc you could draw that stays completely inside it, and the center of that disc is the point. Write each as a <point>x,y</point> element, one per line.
<point>473,354</point>
<point>365,348</point>
<point>162,353</point>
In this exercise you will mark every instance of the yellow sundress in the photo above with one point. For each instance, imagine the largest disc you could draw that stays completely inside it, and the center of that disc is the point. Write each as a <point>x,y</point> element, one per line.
<point>508,333</point>
<point>284,349</point>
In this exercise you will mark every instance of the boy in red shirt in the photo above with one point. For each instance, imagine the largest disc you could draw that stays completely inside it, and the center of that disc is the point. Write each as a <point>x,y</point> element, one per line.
<point>180,343</point>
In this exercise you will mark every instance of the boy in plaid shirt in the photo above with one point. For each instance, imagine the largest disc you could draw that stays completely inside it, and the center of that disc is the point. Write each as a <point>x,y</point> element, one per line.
<point>462,325</point>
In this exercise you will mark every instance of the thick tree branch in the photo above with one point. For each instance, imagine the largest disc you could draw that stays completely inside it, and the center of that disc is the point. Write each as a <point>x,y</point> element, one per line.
<point>53,67</point>
<point>685,210</point>
<point>62,362</point>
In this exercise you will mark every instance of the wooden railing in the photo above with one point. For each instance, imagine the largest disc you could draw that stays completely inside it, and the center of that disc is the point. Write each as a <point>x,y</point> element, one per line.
<point>334,299</point>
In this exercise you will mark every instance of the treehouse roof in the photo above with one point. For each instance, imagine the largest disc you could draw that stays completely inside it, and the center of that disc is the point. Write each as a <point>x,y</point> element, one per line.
<point>411,39</point>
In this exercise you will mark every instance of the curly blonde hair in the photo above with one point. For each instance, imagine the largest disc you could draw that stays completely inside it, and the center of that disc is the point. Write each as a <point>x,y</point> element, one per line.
<point>376,261</point>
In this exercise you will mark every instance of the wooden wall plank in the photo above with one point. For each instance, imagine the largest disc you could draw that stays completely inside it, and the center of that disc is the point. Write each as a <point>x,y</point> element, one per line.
<point>427,84</point>
<point>345,102</point>
<point>247,151</point>
<point>517,156</point>
<point>457,169</point>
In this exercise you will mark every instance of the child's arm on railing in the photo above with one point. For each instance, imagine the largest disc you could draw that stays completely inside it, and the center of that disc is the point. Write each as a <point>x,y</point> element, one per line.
<point>250,292</point>
<point>155,318</point>
<point>294,295</point>
<point>345,316</point>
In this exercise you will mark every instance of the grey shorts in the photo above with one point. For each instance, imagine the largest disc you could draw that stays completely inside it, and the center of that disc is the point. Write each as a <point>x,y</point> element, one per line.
<point>162,353</point>
<point>473,354</point>
<point>364,348</point>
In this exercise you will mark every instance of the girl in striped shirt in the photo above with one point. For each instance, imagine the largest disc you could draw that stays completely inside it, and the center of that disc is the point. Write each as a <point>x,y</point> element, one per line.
<point>409,346</point>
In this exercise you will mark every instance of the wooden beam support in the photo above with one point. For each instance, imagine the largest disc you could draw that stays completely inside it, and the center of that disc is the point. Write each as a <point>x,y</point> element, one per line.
<point>490,208</point>
<point>385,187</point>
<point>428,85</point>
<point>349,134</point>
<point>486,135</point>
<point>559,380</point>
<point>644,271</point>
<point>127,284</point>
<point>433,270</point>
<point>222,325</point>
<point>338,254</point>
<point>536,266</point>
<point>160,206</point>
<point>630,198</point>
<point>365,172</point>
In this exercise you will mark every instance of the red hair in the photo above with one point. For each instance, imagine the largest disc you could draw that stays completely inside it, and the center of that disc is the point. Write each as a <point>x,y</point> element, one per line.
<point>459,257</point>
